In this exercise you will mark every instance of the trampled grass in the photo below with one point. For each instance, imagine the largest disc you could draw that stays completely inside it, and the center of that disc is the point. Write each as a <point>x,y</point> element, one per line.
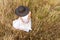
<point>45,20</point>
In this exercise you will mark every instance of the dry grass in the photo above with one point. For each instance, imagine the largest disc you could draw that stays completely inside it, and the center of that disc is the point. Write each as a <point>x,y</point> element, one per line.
<point>45,20</point>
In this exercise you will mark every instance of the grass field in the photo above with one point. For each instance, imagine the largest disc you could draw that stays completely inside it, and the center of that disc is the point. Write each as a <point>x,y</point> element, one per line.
<point>45,20</point>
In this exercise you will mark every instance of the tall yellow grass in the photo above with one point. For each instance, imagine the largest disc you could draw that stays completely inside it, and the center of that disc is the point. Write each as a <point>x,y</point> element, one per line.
<point>45,20</point>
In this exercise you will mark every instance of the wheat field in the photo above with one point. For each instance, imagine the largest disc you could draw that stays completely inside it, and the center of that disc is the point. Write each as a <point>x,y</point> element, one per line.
<point>45,20</point>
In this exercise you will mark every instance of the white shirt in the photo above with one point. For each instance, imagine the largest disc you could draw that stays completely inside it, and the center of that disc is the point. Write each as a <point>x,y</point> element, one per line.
<point>18,24</point>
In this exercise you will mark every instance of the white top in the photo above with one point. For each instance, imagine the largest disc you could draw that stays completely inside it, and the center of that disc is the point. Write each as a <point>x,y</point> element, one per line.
<point>18,24</point>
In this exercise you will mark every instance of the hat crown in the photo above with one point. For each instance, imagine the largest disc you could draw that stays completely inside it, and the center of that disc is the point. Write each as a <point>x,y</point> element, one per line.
<point>21,9</point>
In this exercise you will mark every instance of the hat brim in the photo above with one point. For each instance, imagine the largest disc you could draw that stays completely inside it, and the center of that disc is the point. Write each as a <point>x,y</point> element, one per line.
<point>22,14</point>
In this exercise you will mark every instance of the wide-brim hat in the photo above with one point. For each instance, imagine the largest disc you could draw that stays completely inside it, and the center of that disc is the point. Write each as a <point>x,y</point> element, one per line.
<point>22,11</point>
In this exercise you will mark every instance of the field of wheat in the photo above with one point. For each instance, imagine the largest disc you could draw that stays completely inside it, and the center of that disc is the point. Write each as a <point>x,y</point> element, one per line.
<point>45,20</point>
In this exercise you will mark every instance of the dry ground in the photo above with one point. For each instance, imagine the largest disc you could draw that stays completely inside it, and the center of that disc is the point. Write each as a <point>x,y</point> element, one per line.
<point>45,20</point>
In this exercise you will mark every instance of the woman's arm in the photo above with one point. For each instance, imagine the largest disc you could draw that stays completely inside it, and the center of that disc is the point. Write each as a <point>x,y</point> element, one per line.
<point>29,17</point>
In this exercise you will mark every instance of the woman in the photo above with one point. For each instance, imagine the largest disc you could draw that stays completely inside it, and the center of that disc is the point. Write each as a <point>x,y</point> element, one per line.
<point>24,20</point>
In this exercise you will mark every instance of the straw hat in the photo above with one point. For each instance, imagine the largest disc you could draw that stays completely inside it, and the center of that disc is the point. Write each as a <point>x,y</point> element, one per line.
<point>22,11</point>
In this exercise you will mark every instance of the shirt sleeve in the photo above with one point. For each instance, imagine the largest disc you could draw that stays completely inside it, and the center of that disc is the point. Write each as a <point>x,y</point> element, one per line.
<point>16,24</point>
